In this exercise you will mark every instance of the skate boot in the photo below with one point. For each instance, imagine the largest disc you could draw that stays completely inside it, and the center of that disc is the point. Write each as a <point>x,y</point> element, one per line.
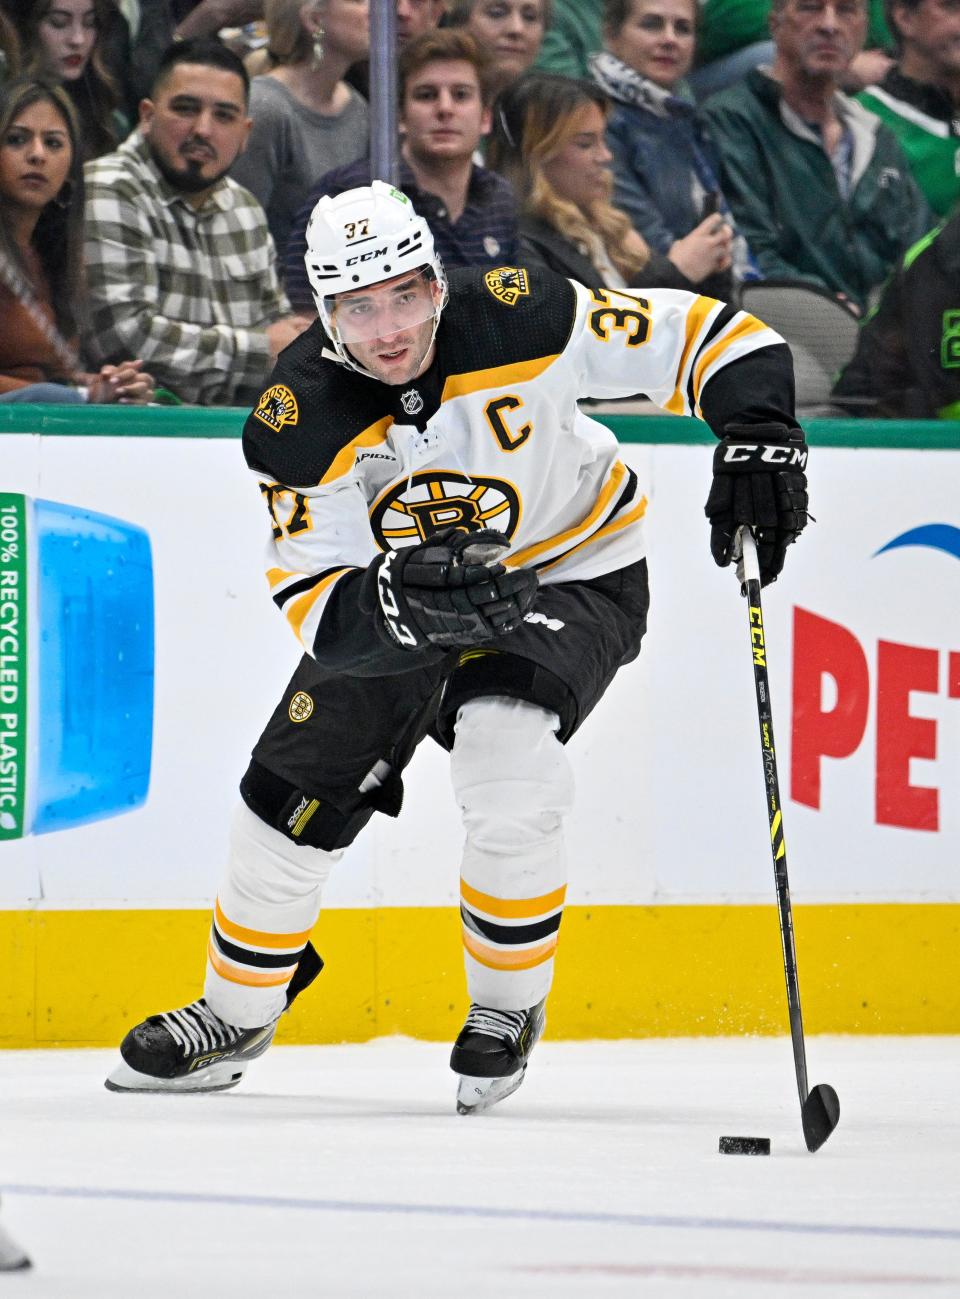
<point>492,1052</point>
<point>194,1050</point>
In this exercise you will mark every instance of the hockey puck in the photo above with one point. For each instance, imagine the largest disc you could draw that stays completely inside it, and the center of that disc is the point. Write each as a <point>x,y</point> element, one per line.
<point>744,1145</point>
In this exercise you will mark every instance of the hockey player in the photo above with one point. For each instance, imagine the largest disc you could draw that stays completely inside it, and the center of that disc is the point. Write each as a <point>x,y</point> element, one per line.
<point>460,551</point>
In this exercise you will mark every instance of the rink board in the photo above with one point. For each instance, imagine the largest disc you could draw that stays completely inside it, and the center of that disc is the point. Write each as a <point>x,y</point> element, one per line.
<point>671,927</point>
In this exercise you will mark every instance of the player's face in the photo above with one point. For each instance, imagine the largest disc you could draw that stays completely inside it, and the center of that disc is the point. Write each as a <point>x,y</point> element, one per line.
<point>580,169</point>
<point>68,33</point>
<point>819,38</point>
<point>657,40</point>
<point>414,17</point>
<point>196,125</point>
<point>443,115</point>
<point>932,30</point>
<point>388,327</point>
<point>512,30</point>
<point>35,157</point>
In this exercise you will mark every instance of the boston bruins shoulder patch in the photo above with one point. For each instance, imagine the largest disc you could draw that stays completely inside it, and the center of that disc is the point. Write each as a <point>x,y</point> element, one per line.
<point>507,284</point>
<point>277,407</point>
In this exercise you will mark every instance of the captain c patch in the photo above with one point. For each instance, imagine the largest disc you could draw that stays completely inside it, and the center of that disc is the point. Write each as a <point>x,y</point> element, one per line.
<point>507,284</point>
<point>277,407</point>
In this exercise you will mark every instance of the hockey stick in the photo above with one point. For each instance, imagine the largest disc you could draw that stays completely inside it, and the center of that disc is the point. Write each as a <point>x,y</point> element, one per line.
<point>819,1107</point>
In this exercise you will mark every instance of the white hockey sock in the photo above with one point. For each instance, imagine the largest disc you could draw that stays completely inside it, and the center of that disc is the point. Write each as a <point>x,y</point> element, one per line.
<point>513,784</point>
<point>267,905</point>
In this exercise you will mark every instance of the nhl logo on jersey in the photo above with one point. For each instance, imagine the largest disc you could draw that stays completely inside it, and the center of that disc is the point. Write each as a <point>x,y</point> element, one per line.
<point>411,401</point>
<point>277,407</point>
<point>507,284</point>
<point>301,706</point>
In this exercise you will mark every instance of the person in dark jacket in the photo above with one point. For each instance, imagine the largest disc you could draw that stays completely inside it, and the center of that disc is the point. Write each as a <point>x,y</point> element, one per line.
<point>548,142</point>
<point>665,168</point>
<point>819,186</point>
<point>907,363</point>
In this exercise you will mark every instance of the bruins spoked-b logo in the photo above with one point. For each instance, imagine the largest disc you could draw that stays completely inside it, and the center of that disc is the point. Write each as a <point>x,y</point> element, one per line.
<point>435,499</point>
<point>277,407</point>
<point>507,284</point>
<point>301,706</point>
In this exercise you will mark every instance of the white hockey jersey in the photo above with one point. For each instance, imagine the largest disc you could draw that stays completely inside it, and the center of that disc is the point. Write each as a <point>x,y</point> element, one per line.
<point>491,436</point>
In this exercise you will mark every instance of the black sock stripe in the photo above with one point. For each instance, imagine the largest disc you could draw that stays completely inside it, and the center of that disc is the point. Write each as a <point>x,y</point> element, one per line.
<point>259,960</point>
<point>509,934</point>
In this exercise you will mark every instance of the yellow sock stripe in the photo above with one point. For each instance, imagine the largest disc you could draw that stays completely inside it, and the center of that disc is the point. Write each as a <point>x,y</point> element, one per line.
<point>696,318</point>
<point>248,978</point>
<point>257,937</point>
<point>512,908</point>
<point>495,958</point>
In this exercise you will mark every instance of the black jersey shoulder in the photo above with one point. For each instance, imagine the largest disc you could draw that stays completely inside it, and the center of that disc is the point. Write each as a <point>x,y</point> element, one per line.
<point>309,409</point>
<point>503,317</point>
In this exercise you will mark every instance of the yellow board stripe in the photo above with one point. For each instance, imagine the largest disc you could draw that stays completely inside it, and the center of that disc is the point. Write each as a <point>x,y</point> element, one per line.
<point>608,529</point>
<point>248,978</point>
<point>746,327</point>
<point>610,487</point>
<point>298,611</point>
<point>343,461</point>
<point>512,908</point>
<point>461,385</point>
<point>256,937</point>
<point>695,320</point>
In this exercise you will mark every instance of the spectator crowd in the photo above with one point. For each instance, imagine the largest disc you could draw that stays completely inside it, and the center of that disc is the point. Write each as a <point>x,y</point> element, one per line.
<point>159,161</point>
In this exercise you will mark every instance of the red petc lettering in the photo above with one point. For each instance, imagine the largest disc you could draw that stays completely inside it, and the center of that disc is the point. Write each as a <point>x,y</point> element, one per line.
<point>825,649</point>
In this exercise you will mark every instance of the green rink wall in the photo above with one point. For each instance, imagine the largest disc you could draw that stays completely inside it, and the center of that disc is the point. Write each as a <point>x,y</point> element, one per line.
<point>670,970</point>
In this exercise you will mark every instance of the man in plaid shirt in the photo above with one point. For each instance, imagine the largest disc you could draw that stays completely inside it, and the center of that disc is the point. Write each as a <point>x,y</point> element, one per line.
<point>181,269</point>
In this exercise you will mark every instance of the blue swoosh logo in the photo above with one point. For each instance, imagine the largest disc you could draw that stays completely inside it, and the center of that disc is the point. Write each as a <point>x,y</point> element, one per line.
<point>936,536</point>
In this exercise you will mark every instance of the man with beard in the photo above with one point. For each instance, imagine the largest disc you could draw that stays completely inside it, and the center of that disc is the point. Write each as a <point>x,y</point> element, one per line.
<point>180,264</point>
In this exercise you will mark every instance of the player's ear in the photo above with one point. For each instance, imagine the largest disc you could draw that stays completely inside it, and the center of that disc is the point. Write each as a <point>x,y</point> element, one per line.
<point>147,111</point>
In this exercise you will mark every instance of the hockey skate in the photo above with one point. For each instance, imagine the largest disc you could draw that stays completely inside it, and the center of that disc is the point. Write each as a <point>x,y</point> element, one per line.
<point>193,1050</point>
<point>491,1054</point>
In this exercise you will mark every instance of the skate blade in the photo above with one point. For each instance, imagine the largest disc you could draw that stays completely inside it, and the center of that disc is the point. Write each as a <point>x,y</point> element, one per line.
<point>477,1095</point>
<point>215,1078</point>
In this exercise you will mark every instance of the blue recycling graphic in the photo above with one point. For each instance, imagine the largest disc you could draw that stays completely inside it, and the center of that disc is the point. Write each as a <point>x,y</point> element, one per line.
<point>935,536</point>
<point>76,666</point>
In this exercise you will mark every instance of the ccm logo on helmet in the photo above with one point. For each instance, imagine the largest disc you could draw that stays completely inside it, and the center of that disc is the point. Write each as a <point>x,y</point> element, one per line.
<point>773,455</point>
<point>367,257</point>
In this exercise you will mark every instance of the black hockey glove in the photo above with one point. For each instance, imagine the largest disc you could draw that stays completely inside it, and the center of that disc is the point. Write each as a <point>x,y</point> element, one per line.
<point>758,480</point>
<point>442,593</point>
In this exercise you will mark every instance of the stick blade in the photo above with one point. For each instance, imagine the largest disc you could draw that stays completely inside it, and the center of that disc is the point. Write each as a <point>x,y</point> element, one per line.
<point>821,1114</point>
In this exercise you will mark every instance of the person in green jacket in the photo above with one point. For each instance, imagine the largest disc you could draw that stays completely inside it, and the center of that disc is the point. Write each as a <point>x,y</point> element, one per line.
<point>919,98</point>
<point>819,187</point>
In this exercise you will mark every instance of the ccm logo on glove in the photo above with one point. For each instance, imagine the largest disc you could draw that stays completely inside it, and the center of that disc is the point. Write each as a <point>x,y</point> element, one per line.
<point>771,455</point>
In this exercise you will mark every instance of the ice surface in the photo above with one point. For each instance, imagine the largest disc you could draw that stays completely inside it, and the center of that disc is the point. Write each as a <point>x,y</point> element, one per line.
<point>344,1171</point>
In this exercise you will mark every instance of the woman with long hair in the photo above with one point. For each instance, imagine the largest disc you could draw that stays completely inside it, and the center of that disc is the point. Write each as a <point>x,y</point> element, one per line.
<point>665,166</point>
<point>548,142</point>
<point>41,256</point>
<point>60,41</point>
<point>306,119</point>
<point>511,31</point>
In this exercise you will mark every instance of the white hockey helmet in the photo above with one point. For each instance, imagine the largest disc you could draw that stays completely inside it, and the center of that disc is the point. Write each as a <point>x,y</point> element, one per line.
<point>363,237</point>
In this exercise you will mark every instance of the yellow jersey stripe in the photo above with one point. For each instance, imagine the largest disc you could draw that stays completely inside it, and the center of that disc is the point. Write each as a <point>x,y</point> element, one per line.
<point>461,385</point>
<point>248,978</point>
<point>277,575</point>
<point>342,462</point>
<point>298,610</point>
<point>696,317</point>
<point>256,937</point>
<point>608,529</point>
<point>496,958</point>
<point>748,326</point>
<point>609,489</point>
<point>512,908</point>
